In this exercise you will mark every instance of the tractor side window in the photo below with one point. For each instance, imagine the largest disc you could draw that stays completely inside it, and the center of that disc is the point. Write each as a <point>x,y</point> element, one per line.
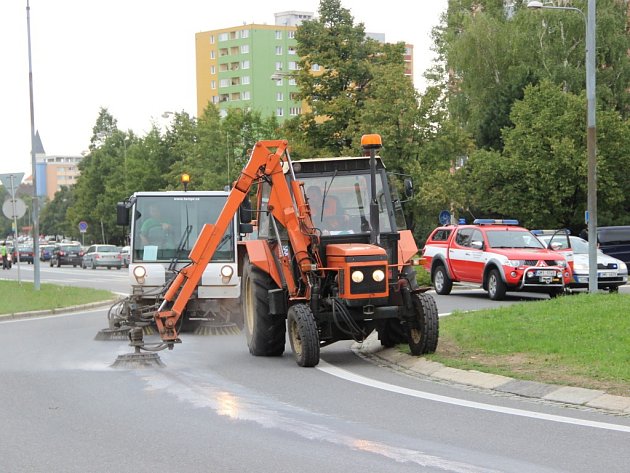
<point>263,213</point>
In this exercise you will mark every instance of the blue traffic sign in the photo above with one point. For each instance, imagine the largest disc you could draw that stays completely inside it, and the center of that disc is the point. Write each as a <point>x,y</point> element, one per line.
<point>83,226</point>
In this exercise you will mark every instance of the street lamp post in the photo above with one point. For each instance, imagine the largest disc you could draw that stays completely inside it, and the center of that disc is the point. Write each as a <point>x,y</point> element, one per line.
<point>591,134</point>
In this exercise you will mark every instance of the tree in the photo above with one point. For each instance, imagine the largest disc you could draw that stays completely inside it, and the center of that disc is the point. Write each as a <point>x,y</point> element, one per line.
<point>53,217</point>
<point>336,96</point>
<point>493,52</point>
<point>540,178</point>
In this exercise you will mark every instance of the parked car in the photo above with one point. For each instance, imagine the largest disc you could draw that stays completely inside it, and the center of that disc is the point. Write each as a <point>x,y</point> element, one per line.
<point>611,272</point>
<point>102,255</point>
<point>66,253</point>
<point>615,242</point>
<point>497,255</point>
<point>126,255</point>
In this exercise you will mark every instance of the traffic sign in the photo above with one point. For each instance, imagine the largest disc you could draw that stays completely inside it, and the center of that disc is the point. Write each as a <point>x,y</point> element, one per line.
<point>83,226</point>
<point>14,208</point>
<point>12,181</point>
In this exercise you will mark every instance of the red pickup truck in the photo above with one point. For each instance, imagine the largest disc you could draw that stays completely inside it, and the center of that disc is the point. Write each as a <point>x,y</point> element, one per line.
<point>497,255</point>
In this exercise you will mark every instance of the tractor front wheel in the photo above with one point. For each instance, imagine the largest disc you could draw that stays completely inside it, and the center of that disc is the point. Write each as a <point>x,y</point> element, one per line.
<point>423,328</point>
<point>265,333</point>
<point>303,335</point>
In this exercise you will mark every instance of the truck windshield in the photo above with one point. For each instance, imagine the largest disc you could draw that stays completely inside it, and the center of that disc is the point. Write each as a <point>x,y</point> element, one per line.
<point>342,204</point>
<point>166,227</point>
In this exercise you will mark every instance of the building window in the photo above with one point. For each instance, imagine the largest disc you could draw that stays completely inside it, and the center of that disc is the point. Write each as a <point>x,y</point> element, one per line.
<point>278,34</point>
<point>224,83</point>
<point>223,37</point>
<point>291,34</point>
<point>293,66</point>
<point>292,51</point>
<point>244,33</point>
<point>279,112</point>
<point>245,65</point>
<point>212,55</point>
<point>279,82</point>
<point>211,39</point>
<point>245,80</point>
<point>315,67</point>
<point>246,95</point>
<point>278,50</point>
<point>278,66</point>
<point>215,99</point>
<point>213,84</point>
<point>279,96</point>
<point>213,69</point>
<point>244,48</point>
<point>292,81</point>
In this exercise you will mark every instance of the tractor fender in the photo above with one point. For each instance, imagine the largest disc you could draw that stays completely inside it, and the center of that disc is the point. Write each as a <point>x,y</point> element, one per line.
<point>260,256</point>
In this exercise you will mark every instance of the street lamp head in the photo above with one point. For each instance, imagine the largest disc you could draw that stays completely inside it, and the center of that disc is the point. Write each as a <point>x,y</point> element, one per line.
<point>535,5</point>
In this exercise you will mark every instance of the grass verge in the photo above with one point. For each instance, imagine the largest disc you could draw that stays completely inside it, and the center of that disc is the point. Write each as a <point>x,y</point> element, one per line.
<point>579,340</point>
<point>23,297</point>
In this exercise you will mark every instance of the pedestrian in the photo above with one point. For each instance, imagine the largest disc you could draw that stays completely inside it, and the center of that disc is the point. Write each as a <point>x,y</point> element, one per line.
<point>4,255</point>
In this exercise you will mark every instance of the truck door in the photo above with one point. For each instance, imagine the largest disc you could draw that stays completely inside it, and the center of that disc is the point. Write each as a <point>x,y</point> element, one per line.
<point>458,253</point>
<point>475,258</point>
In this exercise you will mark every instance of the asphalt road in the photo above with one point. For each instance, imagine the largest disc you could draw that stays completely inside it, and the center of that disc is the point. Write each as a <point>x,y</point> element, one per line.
<point>215,408</point>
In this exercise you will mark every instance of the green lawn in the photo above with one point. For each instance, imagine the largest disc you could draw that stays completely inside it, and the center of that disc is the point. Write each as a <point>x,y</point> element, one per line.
<point>582,340</point>
<point>22,297</point>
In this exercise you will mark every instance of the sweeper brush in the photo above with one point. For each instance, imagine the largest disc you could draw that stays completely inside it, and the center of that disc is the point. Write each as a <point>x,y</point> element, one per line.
<point>138,359</point>
<point>226,328</point>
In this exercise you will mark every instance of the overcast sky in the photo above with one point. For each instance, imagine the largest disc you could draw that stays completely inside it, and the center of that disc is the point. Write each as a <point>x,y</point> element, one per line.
<point>137,59</point>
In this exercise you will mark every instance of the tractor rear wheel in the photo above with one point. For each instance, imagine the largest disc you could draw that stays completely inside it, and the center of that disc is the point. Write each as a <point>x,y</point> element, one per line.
<point>265,333</point>
<point>423,329</point>
<point>303,335</point>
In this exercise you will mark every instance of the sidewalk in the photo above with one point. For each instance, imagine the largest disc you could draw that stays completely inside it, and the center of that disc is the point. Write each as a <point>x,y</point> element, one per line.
<point>371,349</point>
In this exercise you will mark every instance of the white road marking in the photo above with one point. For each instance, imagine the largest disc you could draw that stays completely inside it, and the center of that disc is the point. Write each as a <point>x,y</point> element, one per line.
<point>354,378</point>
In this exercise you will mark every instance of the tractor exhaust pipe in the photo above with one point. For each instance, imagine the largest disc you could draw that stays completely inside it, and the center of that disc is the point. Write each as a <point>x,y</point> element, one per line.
<point>371,144</point>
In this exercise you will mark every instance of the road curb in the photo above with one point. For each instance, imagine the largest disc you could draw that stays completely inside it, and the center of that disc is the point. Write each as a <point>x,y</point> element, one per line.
<point>371,349</point>
<point>57,310</point>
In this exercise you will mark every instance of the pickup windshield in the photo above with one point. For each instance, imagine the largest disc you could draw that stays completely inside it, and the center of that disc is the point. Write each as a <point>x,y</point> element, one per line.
<point>512,239</point>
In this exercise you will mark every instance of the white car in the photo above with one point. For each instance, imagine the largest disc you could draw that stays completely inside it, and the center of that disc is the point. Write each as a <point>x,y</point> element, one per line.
<point>611,272</point>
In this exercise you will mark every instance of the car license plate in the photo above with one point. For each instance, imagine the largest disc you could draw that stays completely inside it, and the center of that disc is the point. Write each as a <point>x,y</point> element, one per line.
<point>606,274</point>
<point>545,272</point>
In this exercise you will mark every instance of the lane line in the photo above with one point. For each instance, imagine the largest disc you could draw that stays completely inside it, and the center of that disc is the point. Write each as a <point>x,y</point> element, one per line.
<point>355,378</point>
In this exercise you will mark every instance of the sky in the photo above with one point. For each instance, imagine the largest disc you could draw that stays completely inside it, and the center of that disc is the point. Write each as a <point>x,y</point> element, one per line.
<point>137,59</point>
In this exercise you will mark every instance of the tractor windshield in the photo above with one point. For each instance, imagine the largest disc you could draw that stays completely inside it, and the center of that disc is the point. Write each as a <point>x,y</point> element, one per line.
<point>167,226</point>
<point>340,203</point>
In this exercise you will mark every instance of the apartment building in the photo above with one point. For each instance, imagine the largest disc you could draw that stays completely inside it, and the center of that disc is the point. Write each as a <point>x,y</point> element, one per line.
<point>247,66</point>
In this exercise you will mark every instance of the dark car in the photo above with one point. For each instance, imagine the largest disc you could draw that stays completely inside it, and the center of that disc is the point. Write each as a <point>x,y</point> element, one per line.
<point>69,254</point>
<point>26,253</point>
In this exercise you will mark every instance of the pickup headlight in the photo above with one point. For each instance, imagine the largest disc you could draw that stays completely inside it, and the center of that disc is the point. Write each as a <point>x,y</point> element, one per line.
<point>515,263</point>
<point>580,266</point>
<point>561,263</point>
<point>623,269</point>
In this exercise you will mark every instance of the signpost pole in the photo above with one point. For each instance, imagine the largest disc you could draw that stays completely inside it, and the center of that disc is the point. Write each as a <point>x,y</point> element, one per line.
<point>15,229</point>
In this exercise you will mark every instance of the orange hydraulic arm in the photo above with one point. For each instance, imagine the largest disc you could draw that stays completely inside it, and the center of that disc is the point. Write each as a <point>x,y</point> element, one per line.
<point>263,164</point>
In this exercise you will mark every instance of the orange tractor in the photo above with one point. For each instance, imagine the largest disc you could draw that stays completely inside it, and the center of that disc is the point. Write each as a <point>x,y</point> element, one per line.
<point>330,259</point>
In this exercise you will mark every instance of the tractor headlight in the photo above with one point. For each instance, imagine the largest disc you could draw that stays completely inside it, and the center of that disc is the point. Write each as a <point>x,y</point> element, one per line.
<point>357,276</point>
<point>139,272</point>
<point>378,275</point>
